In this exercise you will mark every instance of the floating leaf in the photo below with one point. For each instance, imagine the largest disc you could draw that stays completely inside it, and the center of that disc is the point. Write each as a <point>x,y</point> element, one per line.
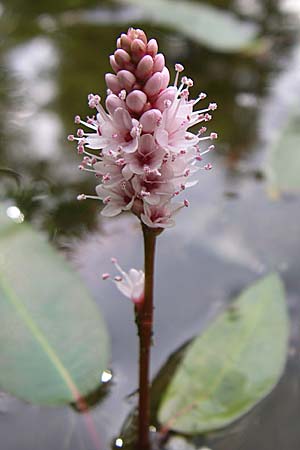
<point>232,365</point>
<point>284,159</point>
<point>213,27</point>
<point>53,342</point>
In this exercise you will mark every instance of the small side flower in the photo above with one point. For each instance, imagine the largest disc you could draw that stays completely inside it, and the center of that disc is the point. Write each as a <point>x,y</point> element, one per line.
<point>131,283</point>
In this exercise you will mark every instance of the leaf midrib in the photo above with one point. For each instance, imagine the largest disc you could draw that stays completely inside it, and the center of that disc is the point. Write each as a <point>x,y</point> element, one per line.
<point>219,379</point>
<point>40,338</point>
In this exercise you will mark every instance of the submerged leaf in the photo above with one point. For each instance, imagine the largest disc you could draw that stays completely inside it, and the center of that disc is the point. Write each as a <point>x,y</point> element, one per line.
<point>283,168</point>
<point>213,27</point>
<point>53,341</point>
<point>232,365</point>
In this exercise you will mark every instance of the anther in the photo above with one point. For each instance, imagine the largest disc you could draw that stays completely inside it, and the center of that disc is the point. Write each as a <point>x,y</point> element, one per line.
<point>179,67</point>
<point>208,166</point>
<point>120,162</point>
<point>105,276</point>
<point>122,94</point>
<point>202,130</point>
<point>106,177</point>
<point>184,93</point>
<point>212,106</point>
<point>184,80</point>
<point>118,278</point>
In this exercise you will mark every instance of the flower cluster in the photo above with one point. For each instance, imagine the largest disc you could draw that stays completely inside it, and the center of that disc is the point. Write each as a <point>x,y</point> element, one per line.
<point>140,146</point>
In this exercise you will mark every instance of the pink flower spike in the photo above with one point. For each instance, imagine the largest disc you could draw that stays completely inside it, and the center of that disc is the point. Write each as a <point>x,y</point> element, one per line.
<point>140,148</point>
<point>186,203</point>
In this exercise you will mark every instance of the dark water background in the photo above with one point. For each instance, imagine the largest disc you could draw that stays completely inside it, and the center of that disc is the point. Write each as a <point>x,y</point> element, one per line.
<point>52,56</point>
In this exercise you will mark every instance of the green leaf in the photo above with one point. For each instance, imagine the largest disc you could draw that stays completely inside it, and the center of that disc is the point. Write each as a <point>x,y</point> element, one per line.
<point>284,158</point>
<point>213,27</point>
<point>234,364</point>
<point>53,341</point>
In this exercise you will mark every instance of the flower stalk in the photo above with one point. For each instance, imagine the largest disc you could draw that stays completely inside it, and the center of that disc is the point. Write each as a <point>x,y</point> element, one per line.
<point>144,313</point>
<point>143,155</point>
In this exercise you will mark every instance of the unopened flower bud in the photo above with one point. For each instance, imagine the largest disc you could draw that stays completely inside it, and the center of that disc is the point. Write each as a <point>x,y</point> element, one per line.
<point>113,102</point>
<point>121,57</point>
<point>126,79</point>
<point>153,85</point>
<point>138,50</point>
<point>144,67</point>
<point>159,63</point>
<point>114,64</point>
<point>165,78</point>
<point>152,47</point>
<point>149,120</point>
<point>113,83</point>
<point>136,101</point>
<point>125,42</point>
<point>141,35</point>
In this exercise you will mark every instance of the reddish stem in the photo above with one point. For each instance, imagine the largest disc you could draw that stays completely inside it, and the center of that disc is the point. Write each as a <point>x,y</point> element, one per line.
<point>145,323</point>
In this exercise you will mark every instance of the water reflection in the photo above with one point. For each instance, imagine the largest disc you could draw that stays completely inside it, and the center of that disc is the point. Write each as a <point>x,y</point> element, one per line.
<point>106,376</point>
<point>15,214</point>
<point>119,443</point>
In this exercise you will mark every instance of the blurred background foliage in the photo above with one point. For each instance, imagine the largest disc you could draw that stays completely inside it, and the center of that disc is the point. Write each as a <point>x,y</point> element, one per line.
<point>55,53</point>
